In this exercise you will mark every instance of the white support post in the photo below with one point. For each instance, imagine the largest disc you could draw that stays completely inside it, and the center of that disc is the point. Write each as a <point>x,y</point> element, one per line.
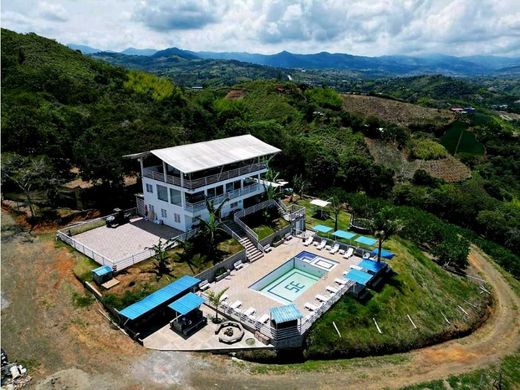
<point>164,170</point>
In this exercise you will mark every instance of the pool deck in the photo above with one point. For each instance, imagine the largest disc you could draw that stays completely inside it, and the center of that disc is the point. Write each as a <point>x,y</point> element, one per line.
<point>204,340</point>
<point>239,281</point>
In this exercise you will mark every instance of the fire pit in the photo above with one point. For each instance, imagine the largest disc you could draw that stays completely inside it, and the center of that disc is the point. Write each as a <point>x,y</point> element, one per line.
<point>230,332</point>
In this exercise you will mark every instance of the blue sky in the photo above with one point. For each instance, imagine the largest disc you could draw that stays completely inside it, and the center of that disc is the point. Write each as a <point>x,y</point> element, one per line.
<point>362,27</point>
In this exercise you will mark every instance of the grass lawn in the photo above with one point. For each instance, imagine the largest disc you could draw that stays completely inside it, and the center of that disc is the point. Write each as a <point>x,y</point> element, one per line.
<point>265,226</point>
<point>420,288</point>
<point>504,376</point>
<point>468,143</point>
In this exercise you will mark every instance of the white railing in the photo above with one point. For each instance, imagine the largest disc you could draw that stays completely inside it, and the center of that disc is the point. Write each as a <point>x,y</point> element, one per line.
<point>89,252</point>
<point>193,207</point>
<point>154,173</point>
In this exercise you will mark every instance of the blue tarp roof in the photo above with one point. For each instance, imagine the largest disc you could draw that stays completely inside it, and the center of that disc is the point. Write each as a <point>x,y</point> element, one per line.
<point>384,253</point>
<point>322,228</point>
<point>366,240</point>
<point>344,234</point>
<point>187,303</point>
<point>358,276</point>
<point>285,313</point>
<point>372,265</point>
<point>159,297</point>
<point>103,270</point>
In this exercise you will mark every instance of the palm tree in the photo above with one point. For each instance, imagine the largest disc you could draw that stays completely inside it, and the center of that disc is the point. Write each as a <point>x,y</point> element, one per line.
<point>209,228</point>
<point>383,227</point>
<point>299,186</point>
<point>215,298</point>
<point>161,257</point>
<point>271,192</point>
<point>336,207</point>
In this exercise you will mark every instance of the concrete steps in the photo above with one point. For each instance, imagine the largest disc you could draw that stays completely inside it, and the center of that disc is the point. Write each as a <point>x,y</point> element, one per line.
<point>252,252</point>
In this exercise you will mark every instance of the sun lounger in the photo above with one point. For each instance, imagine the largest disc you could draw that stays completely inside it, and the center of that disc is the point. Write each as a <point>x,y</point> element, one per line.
<point>349,253</point>
<point>321,298</point>
<point>224,297</point>
<point>238,265</point>
<point>264,319</point>
<point>366,255</point>
<point>224,304</point>
<point>250,312</point>
<point>334,249</point>
<point>288,237</point>
<point>341,282</point>
<point>308,241</point>
<point>268,248</point>
<point>236,305</point>
<point>311,307</point>
<point>341,252</point>
<point>322,245</point>
<point>331,289</point>
<point>204,285</point>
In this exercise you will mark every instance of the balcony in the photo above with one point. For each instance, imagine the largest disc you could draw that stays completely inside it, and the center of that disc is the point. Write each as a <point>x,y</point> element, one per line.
<point>198,206</point>
<point>157,174</point>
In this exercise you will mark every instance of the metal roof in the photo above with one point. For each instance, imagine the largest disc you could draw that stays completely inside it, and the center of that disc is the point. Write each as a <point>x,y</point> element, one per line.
<point>322,228</point>
<point>366,240</point>
<point>210,154</point>
<point>384,253</point>
<point>320,203</point>
<point>103,270</point>
<point>344,234</point>
<point>285,313</point>
<point>159,297</point>
<point>371,265</point>
<point>186,303</point>
<point>359,276</point>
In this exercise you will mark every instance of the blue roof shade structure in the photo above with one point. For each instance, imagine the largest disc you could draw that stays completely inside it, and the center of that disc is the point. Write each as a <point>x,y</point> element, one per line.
<point>322,228</point>
<point>366,240</point>
<point>159,297</point>
<point>344,234</point>
<point>285,313</point>
<point>103,270</point>
<point>372,266</point>
<point>359,276</point>
<point>384,253</point>
<point>187,303</point>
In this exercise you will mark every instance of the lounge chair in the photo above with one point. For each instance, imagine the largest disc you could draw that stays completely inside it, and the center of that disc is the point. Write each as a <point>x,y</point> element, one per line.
<point>322,245</point>
<point>268,248</point>
<point>288,237</point>
<point>366,255</point>
<point>250,312</point>
<point>224,304</point>
<point>348,254</point>
<point>236,305</point>
<point>341,282</point>
<point>238,265</point>
<point>224,298</point>
<point>204,285</point>
<point>308,241</point>
<point>264,319</point>
<point>331,289</point>
<point>321,298</point>
<point>334,249</point>
<point>311,307</point>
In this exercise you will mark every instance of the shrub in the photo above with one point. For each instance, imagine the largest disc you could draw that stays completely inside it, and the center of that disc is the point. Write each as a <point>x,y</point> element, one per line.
<point>427,149</point>
<point>79,300</point>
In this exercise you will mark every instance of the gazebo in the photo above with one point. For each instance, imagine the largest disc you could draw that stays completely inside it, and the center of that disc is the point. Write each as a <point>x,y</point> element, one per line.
<point>319,206</point>
<point>189,318</point>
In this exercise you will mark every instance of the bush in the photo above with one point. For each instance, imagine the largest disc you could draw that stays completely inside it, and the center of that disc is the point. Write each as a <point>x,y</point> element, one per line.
<point>427,149</point>
<point>79,300</point>
<point>324,97</point>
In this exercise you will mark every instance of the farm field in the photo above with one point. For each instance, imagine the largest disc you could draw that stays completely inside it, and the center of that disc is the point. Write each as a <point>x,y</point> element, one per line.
<point>468,143</point>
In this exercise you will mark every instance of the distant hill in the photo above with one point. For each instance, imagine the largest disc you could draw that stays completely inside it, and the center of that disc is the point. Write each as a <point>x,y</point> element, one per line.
<point>138,52</point>
<point>83,48</point>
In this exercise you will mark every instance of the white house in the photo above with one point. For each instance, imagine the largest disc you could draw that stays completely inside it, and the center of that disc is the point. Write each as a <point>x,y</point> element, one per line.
<point>177,180</point>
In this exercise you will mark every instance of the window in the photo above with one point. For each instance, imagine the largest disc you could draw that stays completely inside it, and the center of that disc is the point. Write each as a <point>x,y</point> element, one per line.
<point>175,197</point>
<point>162,193</point>
<point>177,218</point>
<point>233,205</point>
<point>149,188</point>
<point>163,213</point>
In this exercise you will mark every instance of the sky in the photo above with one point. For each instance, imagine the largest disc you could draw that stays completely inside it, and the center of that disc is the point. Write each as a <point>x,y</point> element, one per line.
<point>361,27</point>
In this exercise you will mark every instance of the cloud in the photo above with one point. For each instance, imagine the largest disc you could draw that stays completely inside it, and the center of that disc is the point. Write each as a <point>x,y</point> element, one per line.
<point>168,15</point>
<point>53,12</point>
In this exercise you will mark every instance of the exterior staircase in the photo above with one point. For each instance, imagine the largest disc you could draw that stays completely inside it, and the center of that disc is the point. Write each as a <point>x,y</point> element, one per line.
<point>252,252</point>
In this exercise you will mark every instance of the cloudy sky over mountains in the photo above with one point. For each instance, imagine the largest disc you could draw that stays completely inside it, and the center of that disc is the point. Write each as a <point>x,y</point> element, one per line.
<point>375,27</point>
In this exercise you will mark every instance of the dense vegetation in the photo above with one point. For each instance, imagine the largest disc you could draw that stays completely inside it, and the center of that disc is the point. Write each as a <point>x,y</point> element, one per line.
<point>78,112</point>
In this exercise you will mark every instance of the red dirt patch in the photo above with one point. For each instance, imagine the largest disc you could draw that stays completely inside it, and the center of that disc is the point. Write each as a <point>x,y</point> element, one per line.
<point>235,94</point>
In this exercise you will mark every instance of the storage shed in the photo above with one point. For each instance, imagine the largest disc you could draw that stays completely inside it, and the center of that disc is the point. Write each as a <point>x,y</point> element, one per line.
<point>102,274</point>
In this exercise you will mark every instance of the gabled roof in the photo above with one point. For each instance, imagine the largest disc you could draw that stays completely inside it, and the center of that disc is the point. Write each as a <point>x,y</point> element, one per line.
<point>159,297</point>
<point>209,154</point>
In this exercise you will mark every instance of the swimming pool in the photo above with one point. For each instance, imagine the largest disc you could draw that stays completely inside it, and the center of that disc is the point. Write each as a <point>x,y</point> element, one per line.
<point>294,277</point>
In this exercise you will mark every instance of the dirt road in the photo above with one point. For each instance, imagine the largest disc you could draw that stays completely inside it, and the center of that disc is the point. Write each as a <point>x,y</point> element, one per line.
<point>73,347</point>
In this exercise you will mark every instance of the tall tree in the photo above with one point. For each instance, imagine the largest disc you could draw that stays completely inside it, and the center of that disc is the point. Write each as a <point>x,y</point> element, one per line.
<point>299,186</point>
<point>161,257</point>
<point>336,207</point>
<point>210,227</point>
<point>383,226</point>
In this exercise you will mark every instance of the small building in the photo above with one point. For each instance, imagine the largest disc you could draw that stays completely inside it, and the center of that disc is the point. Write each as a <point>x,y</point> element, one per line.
<point>285,324</point>
<point>102,274</point>
<point>188,316</point>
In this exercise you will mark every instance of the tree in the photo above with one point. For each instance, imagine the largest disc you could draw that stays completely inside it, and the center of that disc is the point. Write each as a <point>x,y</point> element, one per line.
<point>209,228</point>
<point>29,174</point>
<point>161,257</point>
<point>336,207</point>
<point>383,226</point>
<point>452,250</point>
<point>299,186</point>
<point>215,298</point>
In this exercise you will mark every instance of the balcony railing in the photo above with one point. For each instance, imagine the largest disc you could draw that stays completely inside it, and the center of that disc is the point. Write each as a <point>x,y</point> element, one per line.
<point>194,207</point>
<point>204,181</point>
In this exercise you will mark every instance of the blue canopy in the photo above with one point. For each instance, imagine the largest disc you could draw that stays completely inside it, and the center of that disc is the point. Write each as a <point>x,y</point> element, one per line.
<point>344,234</point>
<point>159,297</point>
<point>384,253</point>
<point>322,228</point>
<point>285,313</point>
<point>103,270</point>
<point>187,303</point>
<point>372,266</point>
<point>359,276</point>
<point>366,240</point>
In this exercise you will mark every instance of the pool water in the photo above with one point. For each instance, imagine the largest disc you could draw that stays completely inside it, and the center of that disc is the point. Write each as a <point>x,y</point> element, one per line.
<point>294,277</point>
